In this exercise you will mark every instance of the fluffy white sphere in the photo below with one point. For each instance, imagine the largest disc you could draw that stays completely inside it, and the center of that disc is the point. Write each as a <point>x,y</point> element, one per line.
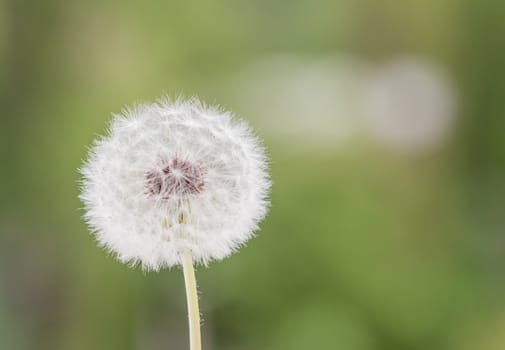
<point>174,176</point>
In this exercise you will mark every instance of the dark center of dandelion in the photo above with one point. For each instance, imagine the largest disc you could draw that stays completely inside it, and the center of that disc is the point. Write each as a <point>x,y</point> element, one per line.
<point>177,177</point>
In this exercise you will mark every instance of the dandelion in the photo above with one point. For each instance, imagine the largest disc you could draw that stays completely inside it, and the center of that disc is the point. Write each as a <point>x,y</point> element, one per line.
<point>175,183</point>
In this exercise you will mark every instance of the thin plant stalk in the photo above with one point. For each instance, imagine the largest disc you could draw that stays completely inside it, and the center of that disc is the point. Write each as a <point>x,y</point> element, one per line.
<point>192,299</point>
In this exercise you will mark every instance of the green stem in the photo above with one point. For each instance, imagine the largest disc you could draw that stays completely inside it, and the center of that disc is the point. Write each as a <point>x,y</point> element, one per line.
<point>192,299</point>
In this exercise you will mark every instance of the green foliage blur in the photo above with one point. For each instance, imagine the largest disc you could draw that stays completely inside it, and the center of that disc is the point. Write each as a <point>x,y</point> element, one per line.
<point>365,248</point>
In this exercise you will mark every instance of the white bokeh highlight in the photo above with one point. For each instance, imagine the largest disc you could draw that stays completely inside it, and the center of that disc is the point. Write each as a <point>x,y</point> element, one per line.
<point>408,105</point>
<point>337,102</point>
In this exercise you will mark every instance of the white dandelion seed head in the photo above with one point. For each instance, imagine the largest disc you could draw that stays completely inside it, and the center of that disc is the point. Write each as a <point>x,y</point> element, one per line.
<point>174,176</point>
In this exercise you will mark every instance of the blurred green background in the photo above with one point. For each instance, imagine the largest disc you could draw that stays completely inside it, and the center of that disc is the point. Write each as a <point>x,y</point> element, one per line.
<point>385,123</point>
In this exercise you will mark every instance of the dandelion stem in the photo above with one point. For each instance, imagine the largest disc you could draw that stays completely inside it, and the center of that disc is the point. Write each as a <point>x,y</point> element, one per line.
<point>192,298</point>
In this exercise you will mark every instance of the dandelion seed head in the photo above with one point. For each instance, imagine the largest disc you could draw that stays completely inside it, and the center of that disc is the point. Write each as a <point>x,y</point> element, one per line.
<point>174,176</point>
